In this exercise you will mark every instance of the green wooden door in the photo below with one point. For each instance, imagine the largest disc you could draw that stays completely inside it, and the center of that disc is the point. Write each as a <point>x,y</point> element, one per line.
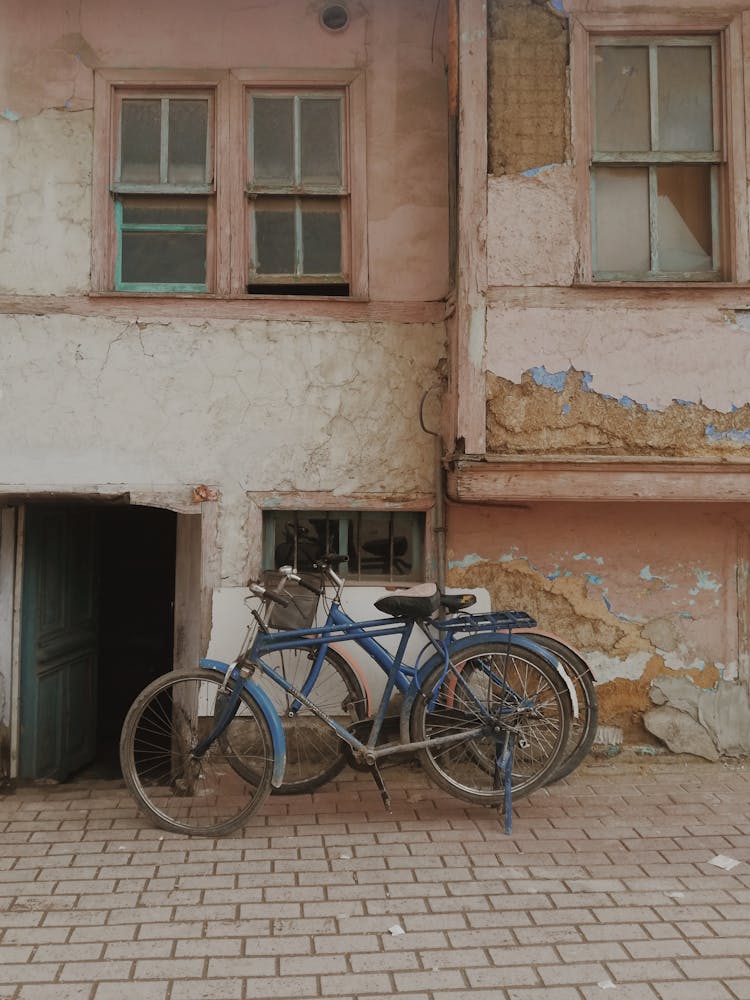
<point>58,642</point>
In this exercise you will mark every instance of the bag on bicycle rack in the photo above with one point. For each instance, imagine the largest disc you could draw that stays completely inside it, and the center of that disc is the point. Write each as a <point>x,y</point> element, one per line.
<point>303,604</point>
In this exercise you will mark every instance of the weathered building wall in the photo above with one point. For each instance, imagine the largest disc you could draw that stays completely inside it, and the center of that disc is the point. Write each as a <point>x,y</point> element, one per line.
<point>49,51</point>
<point>301,397</point>
<point>647,592</point>
<point>654,594</point>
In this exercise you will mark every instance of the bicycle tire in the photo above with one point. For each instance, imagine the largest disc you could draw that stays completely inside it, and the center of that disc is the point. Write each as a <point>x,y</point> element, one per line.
<point>314,753</point>
<point>583,729</point>
<point>469,694</point>
<point>199,797</point>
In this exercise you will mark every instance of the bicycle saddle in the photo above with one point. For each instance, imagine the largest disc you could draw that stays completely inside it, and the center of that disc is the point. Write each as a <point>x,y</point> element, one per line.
<point>416,603</point>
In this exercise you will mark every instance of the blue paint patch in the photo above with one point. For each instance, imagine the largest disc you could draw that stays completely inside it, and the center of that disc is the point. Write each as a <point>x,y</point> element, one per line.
<point>607,602</point>
<point>470,560</point>
<point>683,402</point>
<point>558,5</point>
<point>736,436</point>
<point>554,576</point>
<point>586,379</point>
<point>581,556</point>
<point>549,380</point>
<point>535,171</point>
<point>566,409</point>
<point>593,578</point>
<point>646,574</point>
<point>9,115</point>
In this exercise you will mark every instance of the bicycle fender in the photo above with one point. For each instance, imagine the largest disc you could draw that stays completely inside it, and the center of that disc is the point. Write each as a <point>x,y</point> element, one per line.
<point>271,715</point>
<point>474,640</point>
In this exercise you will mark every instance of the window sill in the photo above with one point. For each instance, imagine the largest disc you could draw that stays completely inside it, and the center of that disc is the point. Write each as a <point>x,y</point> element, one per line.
<point>208,305</point>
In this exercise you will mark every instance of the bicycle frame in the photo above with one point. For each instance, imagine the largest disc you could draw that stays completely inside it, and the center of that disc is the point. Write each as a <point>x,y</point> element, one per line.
<point>407,679</point>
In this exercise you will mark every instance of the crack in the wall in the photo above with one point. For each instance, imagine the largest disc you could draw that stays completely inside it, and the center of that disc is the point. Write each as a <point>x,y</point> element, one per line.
<point>560,413</point>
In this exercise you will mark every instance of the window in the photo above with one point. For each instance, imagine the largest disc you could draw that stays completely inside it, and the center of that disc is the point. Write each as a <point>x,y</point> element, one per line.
<point>381,545</point>
<point>296,192</point>
<point>658,164</point>
<point>230,183</point>
<point>163,181</point>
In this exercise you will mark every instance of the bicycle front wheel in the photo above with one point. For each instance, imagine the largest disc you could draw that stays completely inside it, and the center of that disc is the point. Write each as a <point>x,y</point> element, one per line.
<point>206,795</point>
<point>492,694</point>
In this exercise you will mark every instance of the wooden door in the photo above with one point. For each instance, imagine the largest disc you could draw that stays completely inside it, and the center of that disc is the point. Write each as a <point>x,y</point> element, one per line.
<point>58,641</point>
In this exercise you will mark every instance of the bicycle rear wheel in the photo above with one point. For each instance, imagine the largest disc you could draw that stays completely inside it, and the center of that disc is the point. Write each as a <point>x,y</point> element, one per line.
<point>582,729</point>
<point>492,692</point>
<point>314,753</point>
<point>204,796</point>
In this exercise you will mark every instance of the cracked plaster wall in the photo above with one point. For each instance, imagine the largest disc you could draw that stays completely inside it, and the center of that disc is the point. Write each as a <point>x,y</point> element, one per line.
<point>96,400</point>
<point>648,594</point>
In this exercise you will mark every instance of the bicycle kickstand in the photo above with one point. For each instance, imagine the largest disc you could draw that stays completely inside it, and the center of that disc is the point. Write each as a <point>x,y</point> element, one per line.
<point>378,779</point>
<point>504,768</point>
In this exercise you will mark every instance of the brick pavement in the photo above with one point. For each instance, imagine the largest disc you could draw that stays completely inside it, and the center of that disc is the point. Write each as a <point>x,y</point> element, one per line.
<point>603,890</point>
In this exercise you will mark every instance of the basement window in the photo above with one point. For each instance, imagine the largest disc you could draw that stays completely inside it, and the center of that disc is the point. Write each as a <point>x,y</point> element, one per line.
<point>382,546</point>
<point>658,165</point>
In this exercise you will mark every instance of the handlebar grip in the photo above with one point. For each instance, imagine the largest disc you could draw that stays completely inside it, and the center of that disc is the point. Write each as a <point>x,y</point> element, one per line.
<point>310,586</point>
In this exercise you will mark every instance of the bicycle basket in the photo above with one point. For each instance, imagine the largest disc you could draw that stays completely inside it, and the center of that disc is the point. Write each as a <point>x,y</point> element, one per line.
<point>303,604</point>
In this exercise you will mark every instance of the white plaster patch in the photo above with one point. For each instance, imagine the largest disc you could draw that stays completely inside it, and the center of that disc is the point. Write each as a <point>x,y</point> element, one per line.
<point>705,581</point>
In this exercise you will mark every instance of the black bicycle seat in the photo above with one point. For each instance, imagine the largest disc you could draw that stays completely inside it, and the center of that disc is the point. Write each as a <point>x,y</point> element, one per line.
<point>415,603</point>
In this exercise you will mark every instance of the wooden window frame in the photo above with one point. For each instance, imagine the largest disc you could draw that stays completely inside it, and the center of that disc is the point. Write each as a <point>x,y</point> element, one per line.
<point>227,231</point>
<point>122,190</point>
<point>350,85</point>
<point>731,201</point>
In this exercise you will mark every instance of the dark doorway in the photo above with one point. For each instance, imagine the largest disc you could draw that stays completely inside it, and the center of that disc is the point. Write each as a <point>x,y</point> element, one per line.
<point>97,625</point>
<point>136,615</point>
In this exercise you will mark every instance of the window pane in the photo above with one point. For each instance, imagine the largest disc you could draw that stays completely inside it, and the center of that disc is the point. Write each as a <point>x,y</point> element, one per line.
<point>685,98</point>
<point>375,542</point>
<point>321,239</point>
<point>188,132</point>
<point>621,114</point>
<point>273,140</point>
<point>164,258</point>
<point>684,218</point>
<point>159,213</point>
<point>321,140</point>
<point>274,241</point>
<point>140,141</point>
<point>622,220</point>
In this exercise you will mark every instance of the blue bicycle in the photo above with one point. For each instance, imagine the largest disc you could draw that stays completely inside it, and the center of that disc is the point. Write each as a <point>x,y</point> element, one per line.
<point>485,707</point>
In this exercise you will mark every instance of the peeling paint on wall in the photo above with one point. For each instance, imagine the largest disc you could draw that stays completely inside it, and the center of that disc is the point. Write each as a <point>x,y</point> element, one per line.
<point>559,412</point>
<point>633,621</point>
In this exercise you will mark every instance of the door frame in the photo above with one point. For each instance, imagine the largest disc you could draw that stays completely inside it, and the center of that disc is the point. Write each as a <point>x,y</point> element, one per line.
<point>196,573</point>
